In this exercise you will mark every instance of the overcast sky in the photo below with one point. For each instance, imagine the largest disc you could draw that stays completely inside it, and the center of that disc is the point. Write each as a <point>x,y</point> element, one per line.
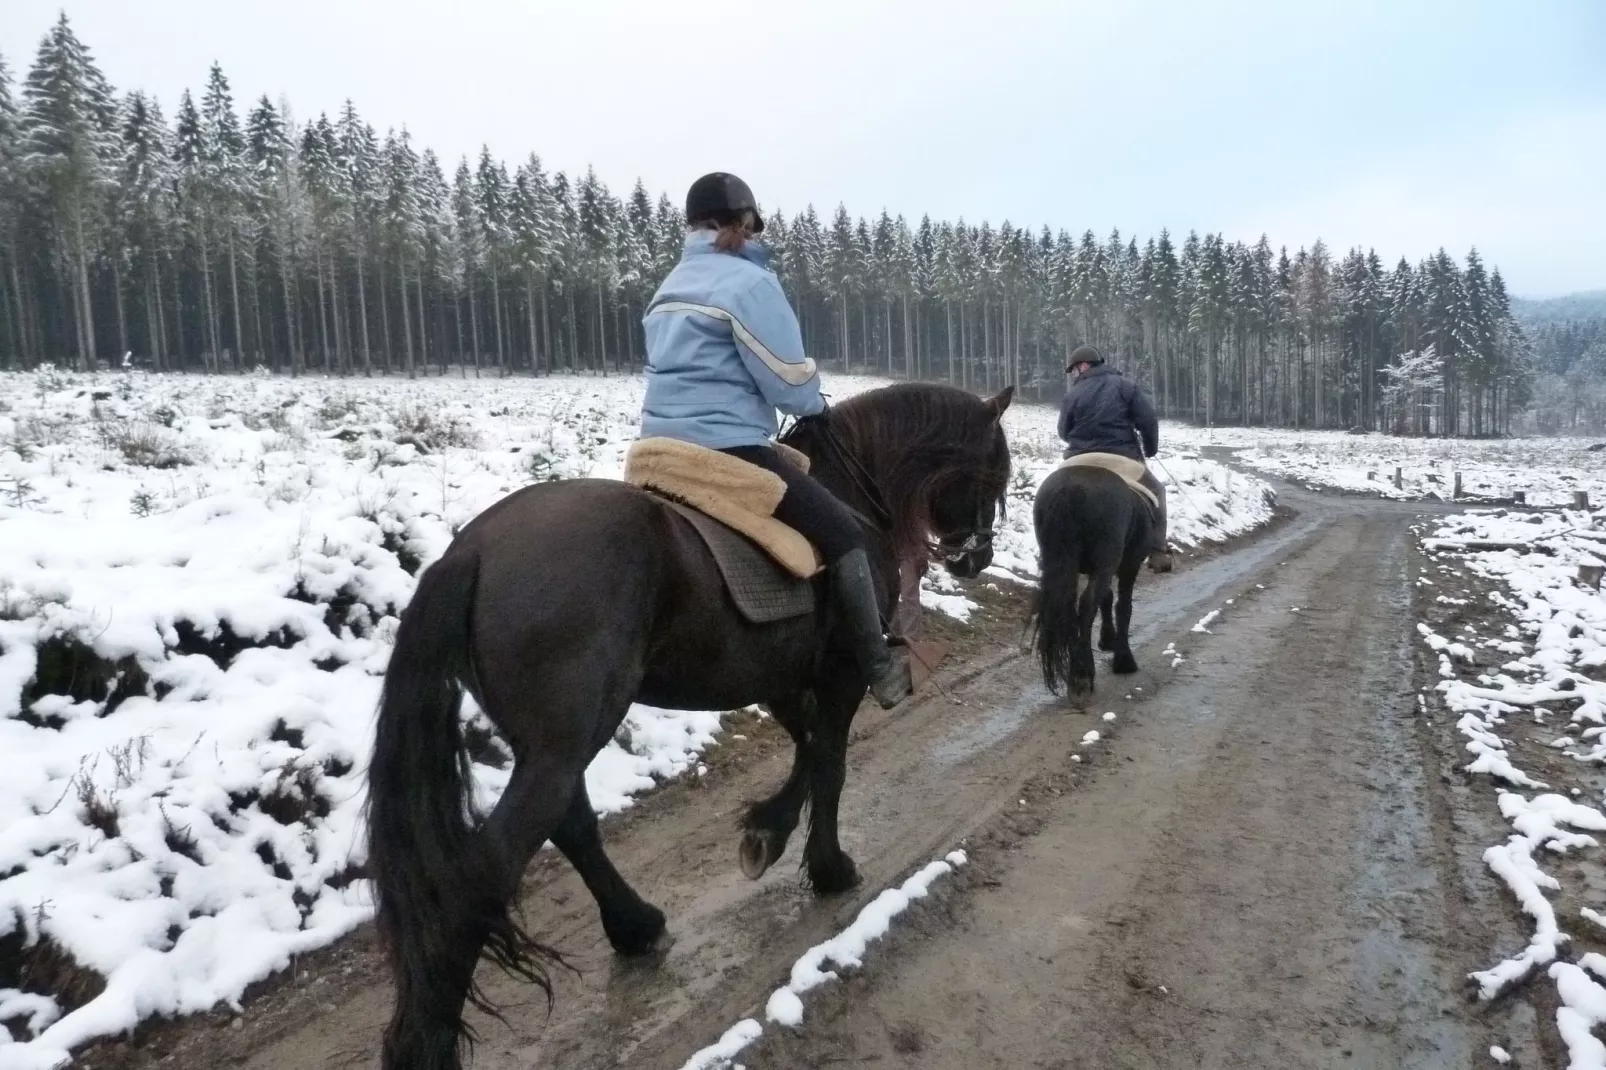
<point>1398,124</point>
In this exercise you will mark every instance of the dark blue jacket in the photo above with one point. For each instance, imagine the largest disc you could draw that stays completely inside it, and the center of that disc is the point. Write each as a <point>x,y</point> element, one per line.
<point>1105,412</point>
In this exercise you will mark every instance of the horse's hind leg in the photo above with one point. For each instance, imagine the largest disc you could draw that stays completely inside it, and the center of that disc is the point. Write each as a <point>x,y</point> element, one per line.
<point>1087,608</point>
<point>1124,662</point>
<point>1107,640</point>
<point>632,924</point>
<point>768,824</point>
<point>529,810</point>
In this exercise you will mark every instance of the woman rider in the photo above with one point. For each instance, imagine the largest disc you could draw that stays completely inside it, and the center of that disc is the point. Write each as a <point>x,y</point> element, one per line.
<point>724,352</point>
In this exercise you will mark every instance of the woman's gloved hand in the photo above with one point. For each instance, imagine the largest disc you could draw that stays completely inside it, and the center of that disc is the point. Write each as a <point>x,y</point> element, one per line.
<point>821,418</point>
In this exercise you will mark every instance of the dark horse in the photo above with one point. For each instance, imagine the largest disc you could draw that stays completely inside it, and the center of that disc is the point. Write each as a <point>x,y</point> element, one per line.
<point>1089,523</point>
<point>564,603</point>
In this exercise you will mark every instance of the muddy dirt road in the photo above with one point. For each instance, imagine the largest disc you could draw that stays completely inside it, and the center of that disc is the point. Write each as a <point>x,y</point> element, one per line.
<point>1252,868</point>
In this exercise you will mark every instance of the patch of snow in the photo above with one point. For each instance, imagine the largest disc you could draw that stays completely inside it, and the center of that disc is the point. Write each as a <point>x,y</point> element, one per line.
<point>843,951</point>
<point>1547,470</point>
<point>1583,1008</point>
<point>720,1053</point>
<point>1205,621</point>
<point>1565,625</point>
<point>846,949</point>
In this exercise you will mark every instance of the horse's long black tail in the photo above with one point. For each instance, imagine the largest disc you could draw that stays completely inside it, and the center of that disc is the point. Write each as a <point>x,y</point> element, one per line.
<point>436,888</point>
<point>1056,623</point>
<point>1064,608</point>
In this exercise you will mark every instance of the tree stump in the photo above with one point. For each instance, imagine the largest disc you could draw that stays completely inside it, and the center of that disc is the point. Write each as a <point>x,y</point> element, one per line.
<point>1590,575</point>
<point>1580,499</point>
<point>1399,478</point>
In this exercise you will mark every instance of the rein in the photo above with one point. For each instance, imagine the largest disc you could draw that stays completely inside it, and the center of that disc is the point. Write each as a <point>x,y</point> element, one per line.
<point>857,474</point>
<point>976,539</point>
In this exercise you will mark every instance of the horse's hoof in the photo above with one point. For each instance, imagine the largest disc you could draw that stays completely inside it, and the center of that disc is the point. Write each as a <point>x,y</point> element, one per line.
<point>759,850</point>
<point>837,876</point>
<point>1125,664</point>
<point>1106,644</point>
<point>639,933</point>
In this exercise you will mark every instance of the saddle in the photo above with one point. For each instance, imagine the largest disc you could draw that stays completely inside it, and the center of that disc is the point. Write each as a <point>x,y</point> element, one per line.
<point>766,565</point>
<point>1130,471</point>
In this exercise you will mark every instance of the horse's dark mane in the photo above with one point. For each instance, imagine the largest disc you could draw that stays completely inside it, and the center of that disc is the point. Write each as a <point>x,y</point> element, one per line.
<point>915,439</point>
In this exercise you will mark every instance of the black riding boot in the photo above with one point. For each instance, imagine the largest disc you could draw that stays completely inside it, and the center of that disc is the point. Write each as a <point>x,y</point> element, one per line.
<point>854,587</point>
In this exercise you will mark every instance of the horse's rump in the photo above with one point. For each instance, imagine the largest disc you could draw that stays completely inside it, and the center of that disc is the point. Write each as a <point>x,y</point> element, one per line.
<point>1130,471</point>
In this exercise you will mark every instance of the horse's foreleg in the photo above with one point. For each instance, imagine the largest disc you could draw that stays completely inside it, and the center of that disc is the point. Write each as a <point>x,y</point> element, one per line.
<point>767,825</point>
<point>837,699</point>
<point>632,924</point>
<point>1124,662</point>
<point>1107,640</point>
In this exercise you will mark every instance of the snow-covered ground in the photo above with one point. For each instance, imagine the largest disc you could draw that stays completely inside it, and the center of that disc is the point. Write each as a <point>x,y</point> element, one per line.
<point>1528,698</point>
<point>199,581</point>
<point>1546,470</point>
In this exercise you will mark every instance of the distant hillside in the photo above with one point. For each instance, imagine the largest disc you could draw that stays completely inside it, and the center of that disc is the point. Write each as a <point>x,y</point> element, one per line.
<point>1588,305</point>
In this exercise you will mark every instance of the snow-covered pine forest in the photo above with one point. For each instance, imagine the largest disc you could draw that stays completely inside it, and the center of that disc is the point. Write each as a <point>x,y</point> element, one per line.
<point>230,236</point>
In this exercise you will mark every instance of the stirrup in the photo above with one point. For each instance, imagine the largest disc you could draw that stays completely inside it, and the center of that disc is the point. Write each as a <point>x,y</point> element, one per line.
<point>895,683</point>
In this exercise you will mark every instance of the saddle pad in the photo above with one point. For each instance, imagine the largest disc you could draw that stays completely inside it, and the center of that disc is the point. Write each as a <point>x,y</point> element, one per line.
<point>761,589</point>
<point>737,494</point>
<point>1129,470</point>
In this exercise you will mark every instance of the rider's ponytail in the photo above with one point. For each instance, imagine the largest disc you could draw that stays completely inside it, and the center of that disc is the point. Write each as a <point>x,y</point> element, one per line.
<point>733,235</point>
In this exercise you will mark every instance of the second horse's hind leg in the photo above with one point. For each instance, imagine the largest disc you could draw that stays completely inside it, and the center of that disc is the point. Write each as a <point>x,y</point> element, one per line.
<point>1124,662</point>
<point>632,924</point>
<point>1107,639</point>
<point>768,824</point>
<point>1087,610</point>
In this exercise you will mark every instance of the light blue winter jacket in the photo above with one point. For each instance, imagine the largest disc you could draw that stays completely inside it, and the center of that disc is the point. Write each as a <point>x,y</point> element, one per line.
<point>724,351</point>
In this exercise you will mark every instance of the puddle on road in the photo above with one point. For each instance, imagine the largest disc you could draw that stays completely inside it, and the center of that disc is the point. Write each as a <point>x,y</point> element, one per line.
<point>1002,721</point>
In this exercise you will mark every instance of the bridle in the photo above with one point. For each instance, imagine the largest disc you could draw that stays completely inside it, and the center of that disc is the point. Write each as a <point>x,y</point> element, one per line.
<point>974,541</point>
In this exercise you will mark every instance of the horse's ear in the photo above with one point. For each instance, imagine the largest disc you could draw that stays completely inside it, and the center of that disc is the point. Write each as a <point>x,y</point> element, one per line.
<point>999,402</point>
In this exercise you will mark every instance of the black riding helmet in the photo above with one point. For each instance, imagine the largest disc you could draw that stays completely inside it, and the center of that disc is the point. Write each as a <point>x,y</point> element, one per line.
<point>721,198</point>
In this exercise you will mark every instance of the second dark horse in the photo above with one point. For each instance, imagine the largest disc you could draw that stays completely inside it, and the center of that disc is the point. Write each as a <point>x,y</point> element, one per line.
<point>566,602</point>
<point>1090,524</point>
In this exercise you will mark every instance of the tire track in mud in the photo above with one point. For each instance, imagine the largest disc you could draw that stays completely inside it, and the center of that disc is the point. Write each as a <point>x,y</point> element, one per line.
<point>920,779</point>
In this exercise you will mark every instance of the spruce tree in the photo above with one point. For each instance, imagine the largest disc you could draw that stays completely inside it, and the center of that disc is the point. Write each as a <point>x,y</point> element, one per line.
<point>490,198</point>
<point>68,146</point>
<point>224,151</point>
<point>14,345</point>
<point>145,177</point>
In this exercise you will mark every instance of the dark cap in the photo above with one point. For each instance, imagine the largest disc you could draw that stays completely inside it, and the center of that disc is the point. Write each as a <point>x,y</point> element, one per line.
<point>1084,355</point>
